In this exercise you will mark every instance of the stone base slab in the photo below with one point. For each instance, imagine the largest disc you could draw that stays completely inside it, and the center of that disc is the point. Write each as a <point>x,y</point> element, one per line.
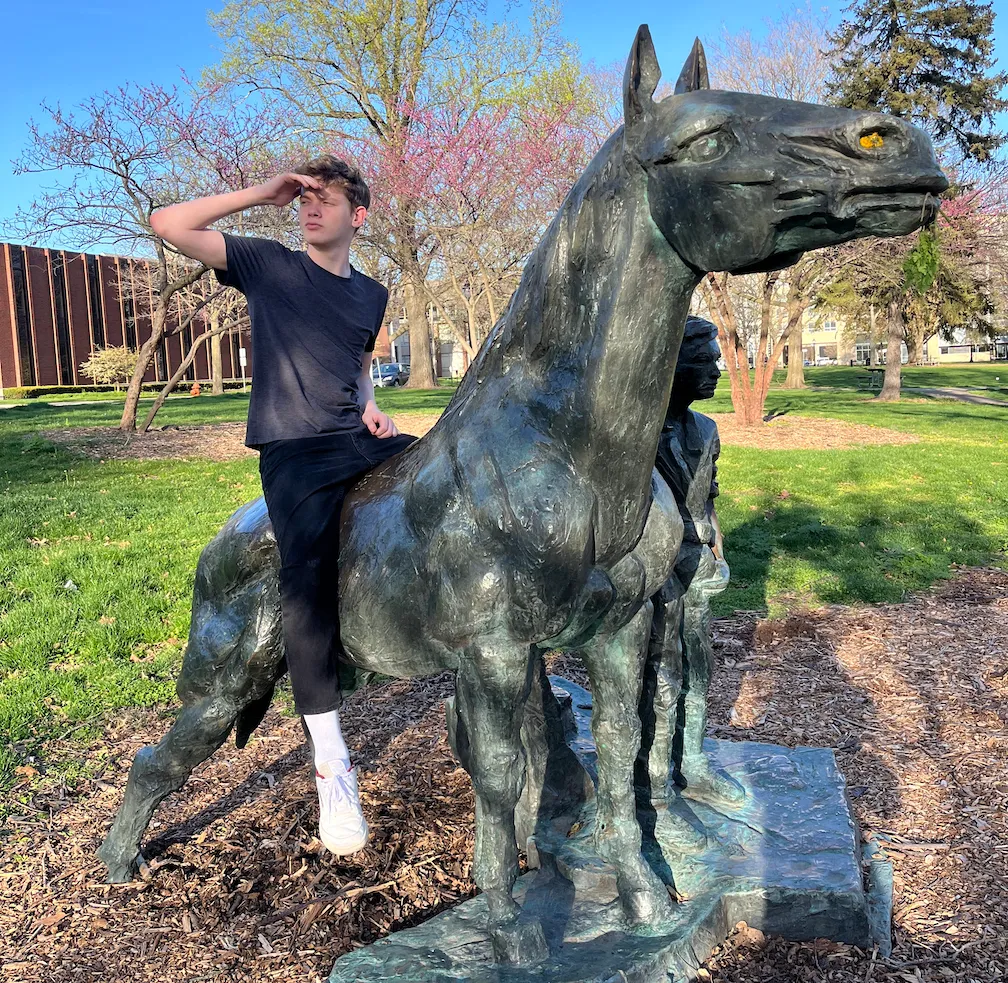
<point>787,861</point>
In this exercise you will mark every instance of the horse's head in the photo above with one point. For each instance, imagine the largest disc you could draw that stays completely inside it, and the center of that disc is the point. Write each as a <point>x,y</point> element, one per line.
<point>747,183</point>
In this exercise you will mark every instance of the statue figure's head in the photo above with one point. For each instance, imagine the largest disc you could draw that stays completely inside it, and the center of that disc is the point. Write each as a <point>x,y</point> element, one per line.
<point>697,372</point>
<point>747,183</point>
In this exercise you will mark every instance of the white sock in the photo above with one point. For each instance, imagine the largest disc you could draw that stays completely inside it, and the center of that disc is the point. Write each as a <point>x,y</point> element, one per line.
<point>328,740</point>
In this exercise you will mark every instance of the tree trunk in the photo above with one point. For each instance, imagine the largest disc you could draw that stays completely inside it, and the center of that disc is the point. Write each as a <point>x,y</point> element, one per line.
<point>145,356</point>
<point>891,384</point>
<point>421,362</point>
<point>796,358</point>
<point>216,355</point>
<point>915,344</point>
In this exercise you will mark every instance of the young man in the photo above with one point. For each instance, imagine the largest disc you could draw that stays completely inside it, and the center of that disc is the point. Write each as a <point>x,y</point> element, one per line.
<point>314,420</point>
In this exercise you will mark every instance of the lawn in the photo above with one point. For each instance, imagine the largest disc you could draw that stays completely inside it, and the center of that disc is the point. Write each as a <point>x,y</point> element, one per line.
<point>991,378</point>
<point>97,559</point>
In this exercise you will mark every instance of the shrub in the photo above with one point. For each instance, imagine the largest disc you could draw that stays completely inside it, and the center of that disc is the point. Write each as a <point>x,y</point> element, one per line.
<point>114,364</point>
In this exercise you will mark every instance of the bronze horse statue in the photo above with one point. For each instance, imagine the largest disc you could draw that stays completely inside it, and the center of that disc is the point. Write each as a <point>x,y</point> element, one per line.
<point>530,517</point>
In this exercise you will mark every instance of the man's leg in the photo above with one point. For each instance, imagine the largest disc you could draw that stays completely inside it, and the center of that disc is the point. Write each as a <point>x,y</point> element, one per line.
<point>304,495</point>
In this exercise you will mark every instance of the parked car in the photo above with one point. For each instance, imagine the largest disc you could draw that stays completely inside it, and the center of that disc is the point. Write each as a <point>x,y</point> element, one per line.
<point>387,374</point>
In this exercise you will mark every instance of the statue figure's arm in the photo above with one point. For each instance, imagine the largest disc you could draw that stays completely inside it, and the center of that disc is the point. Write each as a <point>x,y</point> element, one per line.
<point>718,545</point>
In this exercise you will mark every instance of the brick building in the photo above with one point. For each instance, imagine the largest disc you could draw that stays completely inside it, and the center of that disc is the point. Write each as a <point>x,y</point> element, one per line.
<point>57,306</point>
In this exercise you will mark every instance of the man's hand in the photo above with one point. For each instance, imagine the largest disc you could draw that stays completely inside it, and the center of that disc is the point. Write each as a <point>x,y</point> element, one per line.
<point>284,188</point>
<point>380,424</point>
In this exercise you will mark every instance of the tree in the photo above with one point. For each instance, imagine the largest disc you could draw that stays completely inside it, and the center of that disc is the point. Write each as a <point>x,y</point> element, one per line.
<point>756,315</point>
<point>362,70</point>
<point>490,182</point>
<point>125,153</point>
<point>111,365</point>
<point>931,64</point>
<point>926,61</point>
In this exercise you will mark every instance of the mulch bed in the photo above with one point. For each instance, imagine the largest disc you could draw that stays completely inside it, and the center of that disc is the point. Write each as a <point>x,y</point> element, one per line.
<point>226,441</point>
<point>913,697</point>
<point>805,433</point>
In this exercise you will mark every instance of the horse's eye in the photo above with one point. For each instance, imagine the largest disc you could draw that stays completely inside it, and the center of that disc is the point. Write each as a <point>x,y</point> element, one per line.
<point>708,148</point>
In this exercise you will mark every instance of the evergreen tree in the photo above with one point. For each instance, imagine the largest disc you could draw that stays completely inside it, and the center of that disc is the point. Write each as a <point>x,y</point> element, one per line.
<point>927,61</point>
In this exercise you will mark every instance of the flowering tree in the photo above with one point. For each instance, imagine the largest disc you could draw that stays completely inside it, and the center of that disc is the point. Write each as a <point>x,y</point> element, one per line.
<point>490,179</point>
<point>113,364</point>
<point>356,76</point>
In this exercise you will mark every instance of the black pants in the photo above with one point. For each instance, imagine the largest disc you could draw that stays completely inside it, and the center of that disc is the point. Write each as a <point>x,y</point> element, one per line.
<point>304,482</point>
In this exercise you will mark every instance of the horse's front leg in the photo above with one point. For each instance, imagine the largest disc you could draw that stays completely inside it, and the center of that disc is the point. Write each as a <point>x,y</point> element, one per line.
<point>615,665</point>
<point>492,685</point>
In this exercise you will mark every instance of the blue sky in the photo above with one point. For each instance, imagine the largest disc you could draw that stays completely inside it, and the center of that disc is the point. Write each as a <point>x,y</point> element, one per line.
<point>63,51</point>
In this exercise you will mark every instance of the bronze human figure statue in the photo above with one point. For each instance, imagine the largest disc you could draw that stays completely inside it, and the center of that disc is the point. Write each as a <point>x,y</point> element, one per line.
<point>531,517</point>
<point>673,706</point>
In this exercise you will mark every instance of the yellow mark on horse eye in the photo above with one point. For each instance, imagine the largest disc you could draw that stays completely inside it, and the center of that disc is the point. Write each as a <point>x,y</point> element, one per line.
<point>871,141</point>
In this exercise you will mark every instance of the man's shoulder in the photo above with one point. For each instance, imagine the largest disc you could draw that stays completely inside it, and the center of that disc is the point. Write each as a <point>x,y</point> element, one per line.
<point>372,285</point>
<point>257,244</point>
<point>705,425</point>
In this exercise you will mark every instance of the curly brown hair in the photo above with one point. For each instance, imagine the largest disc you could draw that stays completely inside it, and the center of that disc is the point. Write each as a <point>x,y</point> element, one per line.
<point>331,170</point>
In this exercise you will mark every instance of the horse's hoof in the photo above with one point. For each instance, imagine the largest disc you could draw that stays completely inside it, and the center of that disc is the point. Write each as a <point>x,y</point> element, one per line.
<point>120,870</point>
<point>647,907</point>
<point>677,834</point>
<point>521,942</point>
<point>715,787</point>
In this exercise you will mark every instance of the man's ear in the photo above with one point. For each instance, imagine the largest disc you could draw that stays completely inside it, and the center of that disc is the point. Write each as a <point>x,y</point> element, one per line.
<point>640,78</point>
<point>359,215</point>
<point>694,74</point>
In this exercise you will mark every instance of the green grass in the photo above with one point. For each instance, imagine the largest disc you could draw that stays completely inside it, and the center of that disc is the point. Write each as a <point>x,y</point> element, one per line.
<point>866,524</point>
<point>991,377</point>
<point>860,525</point>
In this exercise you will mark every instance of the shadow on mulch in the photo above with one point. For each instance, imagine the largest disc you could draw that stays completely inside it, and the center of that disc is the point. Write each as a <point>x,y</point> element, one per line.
<point>913,697</point>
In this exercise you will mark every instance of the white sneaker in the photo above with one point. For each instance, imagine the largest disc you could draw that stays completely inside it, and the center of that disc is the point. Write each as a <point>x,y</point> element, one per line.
<point>342,827</point>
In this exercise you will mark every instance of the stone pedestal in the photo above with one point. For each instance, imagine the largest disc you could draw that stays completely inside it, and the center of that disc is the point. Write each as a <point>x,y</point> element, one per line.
<point>787,862</point>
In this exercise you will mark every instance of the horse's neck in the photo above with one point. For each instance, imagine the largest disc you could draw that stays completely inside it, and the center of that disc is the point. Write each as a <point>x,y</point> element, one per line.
<point>589,341</point>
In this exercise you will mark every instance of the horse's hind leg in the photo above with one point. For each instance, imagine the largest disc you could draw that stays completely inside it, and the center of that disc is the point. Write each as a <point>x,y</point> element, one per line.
<point>200,729</point>
<point>491,687</point>
<point>616,666</point>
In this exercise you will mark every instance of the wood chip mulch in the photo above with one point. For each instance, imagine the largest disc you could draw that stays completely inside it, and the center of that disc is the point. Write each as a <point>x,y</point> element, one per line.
<point>226,441</point>
<point>807,433</point>
<point>215,441</point>
<point>913,697</point>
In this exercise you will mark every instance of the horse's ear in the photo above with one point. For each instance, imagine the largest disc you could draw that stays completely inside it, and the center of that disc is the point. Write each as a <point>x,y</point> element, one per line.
<point>641,77</point>
<point>694,73</point>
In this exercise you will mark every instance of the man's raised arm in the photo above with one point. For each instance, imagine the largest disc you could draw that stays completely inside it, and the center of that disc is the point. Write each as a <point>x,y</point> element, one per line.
<point>185,225</point>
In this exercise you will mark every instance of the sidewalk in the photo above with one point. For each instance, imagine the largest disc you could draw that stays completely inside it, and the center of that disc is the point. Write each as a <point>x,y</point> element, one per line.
<point>963,395</point>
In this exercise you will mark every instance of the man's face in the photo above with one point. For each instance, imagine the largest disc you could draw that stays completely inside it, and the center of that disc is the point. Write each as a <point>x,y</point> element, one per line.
<point>697,372</point>
<point>326,217</point>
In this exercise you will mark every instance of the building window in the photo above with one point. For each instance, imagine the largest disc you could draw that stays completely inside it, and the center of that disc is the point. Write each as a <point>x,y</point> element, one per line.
<point>187,340</point>
<point>129,313</point>
<point>829,325</point>
<point>95,301</point>
<point>22,313</point>
<point>161,362</point>
<point>862,352</point>
<point>62,312</point>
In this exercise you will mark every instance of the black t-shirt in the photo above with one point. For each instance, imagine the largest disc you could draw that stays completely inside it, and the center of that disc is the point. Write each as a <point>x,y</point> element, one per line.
<point>310,329</point>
